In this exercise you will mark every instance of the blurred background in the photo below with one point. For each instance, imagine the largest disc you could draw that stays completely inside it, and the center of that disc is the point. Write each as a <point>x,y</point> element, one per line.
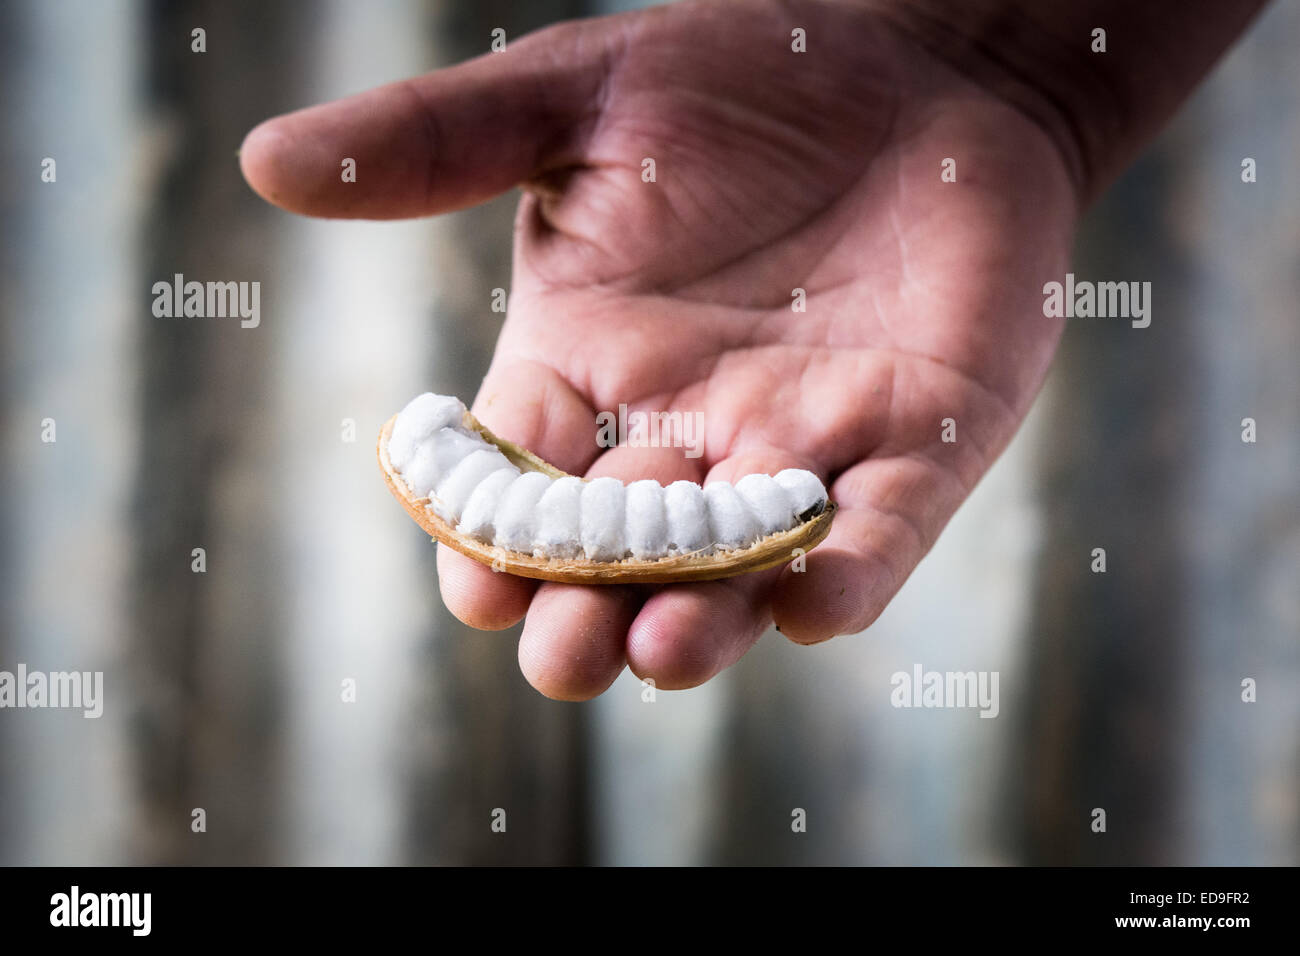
<point>1120,690</point>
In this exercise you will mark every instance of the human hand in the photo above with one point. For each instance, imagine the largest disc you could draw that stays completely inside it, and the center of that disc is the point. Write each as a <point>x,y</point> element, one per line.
<point>775,170</point>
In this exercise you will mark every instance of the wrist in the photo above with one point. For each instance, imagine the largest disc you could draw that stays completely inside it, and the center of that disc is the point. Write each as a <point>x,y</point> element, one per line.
<point>1098,106</point>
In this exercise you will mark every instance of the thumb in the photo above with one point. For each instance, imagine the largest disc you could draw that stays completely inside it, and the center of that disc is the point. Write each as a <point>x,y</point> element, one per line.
<point>438,142</point>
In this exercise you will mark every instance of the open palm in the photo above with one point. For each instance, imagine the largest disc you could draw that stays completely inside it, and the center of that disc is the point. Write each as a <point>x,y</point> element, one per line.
<point>898,373</point>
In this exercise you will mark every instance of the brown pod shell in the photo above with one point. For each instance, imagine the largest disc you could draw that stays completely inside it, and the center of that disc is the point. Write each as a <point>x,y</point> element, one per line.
<point>768,552</point>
